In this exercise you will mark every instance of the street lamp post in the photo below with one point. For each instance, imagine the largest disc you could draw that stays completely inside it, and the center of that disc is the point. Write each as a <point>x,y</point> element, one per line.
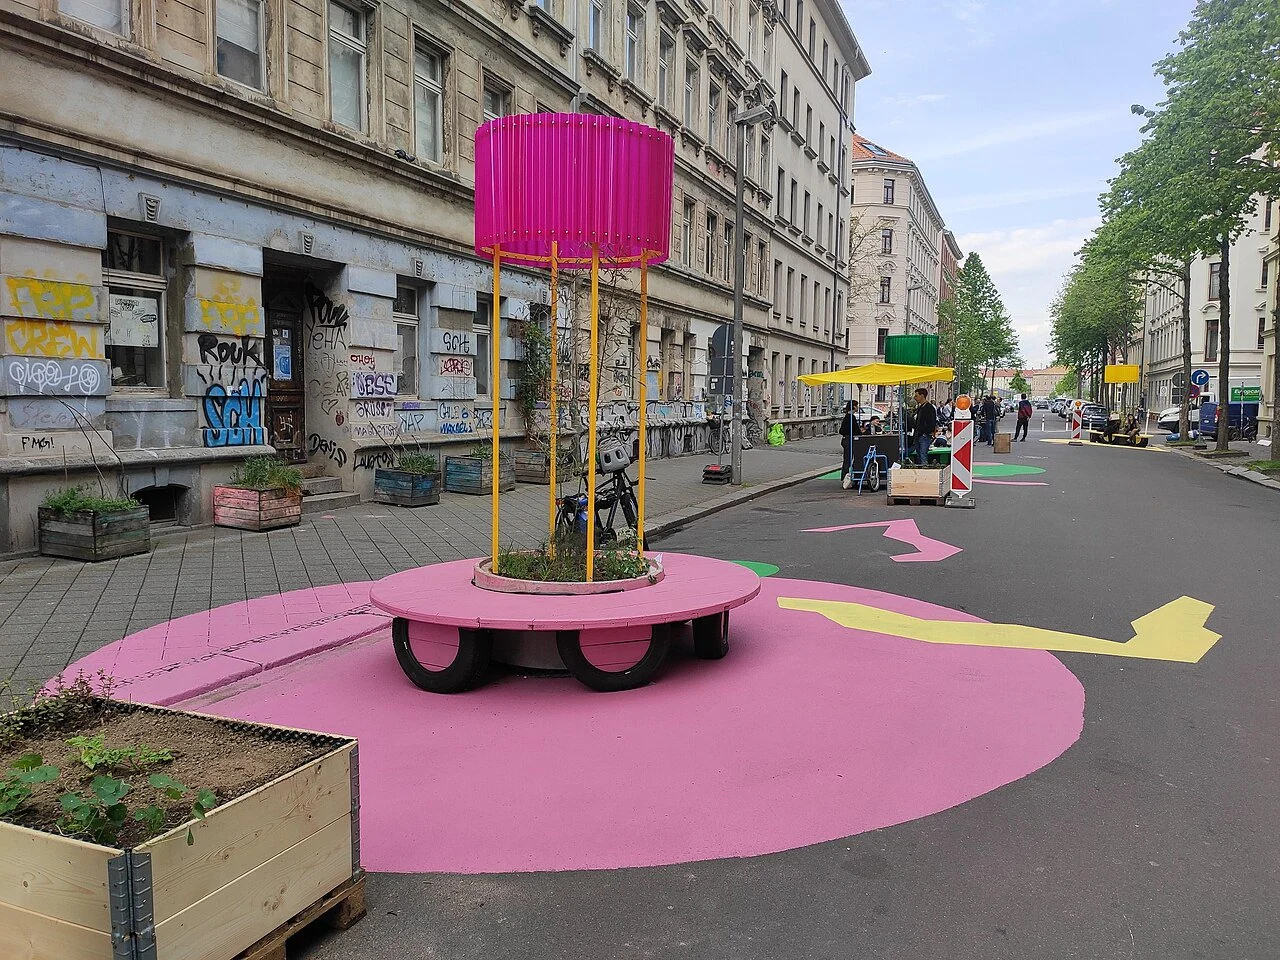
<point>757,114</point>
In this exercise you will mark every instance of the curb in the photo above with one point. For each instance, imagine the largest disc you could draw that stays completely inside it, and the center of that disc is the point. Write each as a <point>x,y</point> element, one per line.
<point>669,523</point>
<point>1231,470</point>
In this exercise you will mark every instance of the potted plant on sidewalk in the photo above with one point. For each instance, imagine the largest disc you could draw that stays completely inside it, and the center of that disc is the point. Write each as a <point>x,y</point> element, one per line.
<point>76,524</point>
<point>413,482</point>
<point>911,480</point>
<point>473,473</point>
<point>263,494</point>
<point>132,830</point>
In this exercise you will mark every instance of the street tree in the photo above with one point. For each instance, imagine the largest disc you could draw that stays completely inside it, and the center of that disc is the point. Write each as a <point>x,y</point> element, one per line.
<point>975,332</point>
<point>1019,383</point>
<point>1067,386</point>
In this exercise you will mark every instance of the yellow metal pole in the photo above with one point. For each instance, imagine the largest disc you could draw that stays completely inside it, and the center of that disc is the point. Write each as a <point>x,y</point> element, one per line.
<point>555,293</point>
<point>495,393</point>
<point>591,415</point>
<point>643,363</point>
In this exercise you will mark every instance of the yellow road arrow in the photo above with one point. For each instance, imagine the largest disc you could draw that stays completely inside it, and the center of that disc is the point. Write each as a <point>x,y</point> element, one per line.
<point>1174,632</point>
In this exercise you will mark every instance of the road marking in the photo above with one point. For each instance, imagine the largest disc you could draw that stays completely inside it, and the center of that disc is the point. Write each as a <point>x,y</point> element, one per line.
<point>928,549</point>
<point>1110,446</point>
<point>1174,632</point>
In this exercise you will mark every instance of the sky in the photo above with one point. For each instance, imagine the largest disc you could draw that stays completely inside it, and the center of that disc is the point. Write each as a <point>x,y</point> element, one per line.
<point>1015,112</point>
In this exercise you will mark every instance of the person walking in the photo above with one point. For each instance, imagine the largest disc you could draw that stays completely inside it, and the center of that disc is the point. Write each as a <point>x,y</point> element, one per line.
<point>850,427</point>
<point>1025,412</point>
<point>926,425</point>
<point>990,414</point>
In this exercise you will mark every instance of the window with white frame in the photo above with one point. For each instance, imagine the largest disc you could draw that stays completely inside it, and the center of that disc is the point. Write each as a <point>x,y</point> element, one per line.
<point>730,129</point>
<point>888,190</point>
<point>753,32</point>
<point>726,255</point>
<point>710,238</point>
<point>428,102</point>
<point>766,54</point>
<point>110,15</point>
<point>666,60</point>
<point>404,361</point>
<point>886,287</point>
<point>133,271</point>
<point>713,114</point>
<point>691,81</point>
<point>497,98</point>
<point>762,279</point>
<point>482,327</point>
<point>595,25</point>
<point>346,65</point>
<point>635,44</point>
<point>764,160</point>
<point>238,26</point>
<point>686,233</point>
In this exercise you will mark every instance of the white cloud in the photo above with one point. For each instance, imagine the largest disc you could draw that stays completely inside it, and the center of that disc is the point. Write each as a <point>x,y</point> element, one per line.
<point>1019,132</point>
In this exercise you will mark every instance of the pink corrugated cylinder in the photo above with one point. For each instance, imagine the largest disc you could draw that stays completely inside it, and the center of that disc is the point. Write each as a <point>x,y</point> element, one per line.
<point>577,180</point>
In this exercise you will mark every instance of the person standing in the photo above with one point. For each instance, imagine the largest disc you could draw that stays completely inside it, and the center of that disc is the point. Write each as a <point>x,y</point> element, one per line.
<point>1025,412</point>
<point>926,425</point>
<point>990,415</point>
<point>850,427</point>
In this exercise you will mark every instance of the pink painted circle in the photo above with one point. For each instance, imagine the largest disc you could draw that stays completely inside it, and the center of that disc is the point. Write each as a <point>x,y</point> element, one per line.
<point>806,732</point>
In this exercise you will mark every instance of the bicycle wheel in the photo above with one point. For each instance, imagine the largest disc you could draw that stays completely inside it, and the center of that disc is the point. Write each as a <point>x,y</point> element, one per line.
<point>873,475</point>
<point>715,438</point>
<point>630,508</point>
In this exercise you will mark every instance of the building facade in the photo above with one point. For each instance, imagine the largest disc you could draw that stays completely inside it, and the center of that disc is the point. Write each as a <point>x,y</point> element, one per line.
<point>1271,328</point>
<point>1251,279</point>
<point>896,251</point>
<point>230,227</point>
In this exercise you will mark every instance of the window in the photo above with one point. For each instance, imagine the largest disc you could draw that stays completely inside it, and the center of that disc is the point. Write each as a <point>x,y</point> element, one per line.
<point>886,285</point>
<point>713,114</point>
<point>799,16</point>
<point>595,25</point>
<point>666,54</point>
<point>1215,270</point>
<point>753,26</point>
<point>497,99</point>
<point>762,277</point>
<point>1266,269</point>
<point>1266,217</point>
<point>782,97</point>
<point>806,214</point>
<point>808,125</point>
<point>686,234</point>
<point>817,303</point>
<point>777,286</point>
<point>239,33</point>
<point>767,55</point>
<point>791,285</point>
<point>826,53</point>
<point>1262,330</point>
<point>831,232</point>
<point>428,103</point>
<point>731,11</point>
<point>888,191</point>
<point>795,201</point>
<point>110,15</point>
<point>813,37</point>
<point>405,359</point>
<point>1211,340</point>
<point>690,93</point>
<point>710,262</point>
<point>795,108</point>
<point>482,328</point>
<point>818,227</point>
<point>635,45</point>
<point>730,133</point>
<point>822,138</point>
<point>804,299</point>
<point>881,336</point>
<point>346,65</point>
<point>133,272</point>
<point>749,154</point>
<point>779,194</point>
<point>886,240</point>
<point>764,159</point>
<point>727,257</point>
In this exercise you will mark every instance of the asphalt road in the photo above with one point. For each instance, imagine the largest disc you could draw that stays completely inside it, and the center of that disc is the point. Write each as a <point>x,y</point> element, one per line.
<point>1154,836</point>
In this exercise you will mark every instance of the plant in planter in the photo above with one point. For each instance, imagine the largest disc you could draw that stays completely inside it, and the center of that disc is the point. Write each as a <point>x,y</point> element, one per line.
<point>76,524</point>
<point>561,567</point>
<point>109,852</point>
<point>413,482</point>
<point>473,473</point>
<point>262,494</point>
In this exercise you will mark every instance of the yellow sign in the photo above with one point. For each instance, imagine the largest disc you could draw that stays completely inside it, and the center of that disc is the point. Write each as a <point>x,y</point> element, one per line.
<point>1121,373</point>
<point>1174,632</point>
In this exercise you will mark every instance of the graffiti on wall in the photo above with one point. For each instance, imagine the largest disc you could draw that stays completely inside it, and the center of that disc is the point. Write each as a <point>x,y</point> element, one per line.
<point>243,351</point>
<point>39,299</point>
<point>229,311</point>
<point>326,321</point>
<point>52,338</point>
<point>50,376</point>
<point>317,444</point>
<point>369,410</point>
<point>365,384</point>
<point>450,366</point>
<point>233,407</point>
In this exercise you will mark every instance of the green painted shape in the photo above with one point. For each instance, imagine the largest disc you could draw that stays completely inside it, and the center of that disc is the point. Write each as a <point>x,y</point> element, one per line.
<point>833,475</point>
<point>758,568</point>
<point>1005,470</point>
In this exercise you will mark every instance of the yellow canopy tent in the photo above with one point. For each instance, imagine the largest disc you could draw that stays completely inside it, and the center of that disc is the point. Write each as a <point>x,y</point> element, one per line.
<point>880,375</point>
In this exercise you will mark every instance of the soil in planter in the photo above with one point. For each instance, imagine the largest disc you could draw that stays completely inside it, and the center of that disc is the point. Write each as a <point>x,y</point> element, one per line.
<point>207,754</point>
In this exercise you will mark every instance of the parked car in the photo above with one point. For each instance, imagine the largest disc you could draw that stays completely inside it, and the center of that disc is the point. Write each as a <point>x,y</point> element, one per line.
<point>1244,420</point>
<point>1168,419</point>
<point>1094,416</point>
<point>1042,404</point>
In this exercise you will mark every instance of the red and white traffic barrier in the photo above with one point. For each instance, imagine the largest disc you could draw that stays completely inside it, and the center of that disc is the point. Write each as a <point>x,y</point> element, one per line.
<point>1075,422</point>
<point>961,491</point>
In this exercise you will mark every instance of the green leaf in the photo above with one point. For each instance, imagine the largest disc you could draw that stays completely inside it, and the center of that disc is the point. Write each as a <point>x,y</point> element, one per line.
<point>40,774</point>
<point>72,801</point>
<point>108,790</point>
<point>28,761</point>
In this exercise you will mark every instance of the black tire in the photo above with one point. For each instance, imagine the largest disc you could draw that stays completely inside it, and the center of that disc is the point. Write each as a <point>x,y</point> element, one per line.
<point>468,669</point>
<point>873,478</point>
<point>612,681</point>
<point>711,636</point>
<point>630,509</point>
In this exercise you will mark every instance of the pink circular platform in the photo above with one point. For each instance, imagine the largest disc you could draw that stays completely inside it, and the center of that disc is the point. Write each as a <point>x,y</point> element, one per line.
<point>446,629</point>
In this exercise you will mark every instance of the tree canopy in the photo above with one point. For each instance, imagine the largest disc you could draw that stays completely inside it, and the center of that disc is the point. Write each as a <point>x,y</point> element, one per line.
<point>974,329</point>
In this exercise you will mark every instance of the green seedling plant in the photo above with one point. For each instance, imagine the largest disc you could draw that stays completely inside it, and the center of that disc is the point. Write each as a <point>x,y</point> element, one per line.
<point>100,814</point>
<point>22,775</point>
<point>93,754</point>
<point>153,816</point>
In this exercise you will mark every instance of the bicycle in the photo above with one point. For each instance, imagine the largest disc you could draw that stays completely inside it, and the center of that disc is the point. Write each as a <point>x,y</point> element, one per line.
<point>617,493</point>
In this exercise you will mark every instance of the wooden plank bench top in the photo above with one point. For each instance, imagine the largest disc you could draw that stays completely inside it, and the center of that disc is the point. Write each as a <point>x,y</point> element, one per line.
<point>444,594</point>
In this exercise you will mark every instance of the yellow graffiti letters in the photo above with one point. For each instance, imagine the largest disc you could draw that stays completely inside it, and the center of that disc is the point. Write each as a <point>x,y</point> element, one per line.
<point>51,299</point>
<point>53,338</point>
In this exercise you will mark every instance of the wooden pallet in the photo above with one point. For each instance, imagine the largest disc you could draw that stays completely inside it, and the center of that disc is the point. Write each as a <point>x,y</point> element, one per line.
<point>916,501</point>
<point>337,911</point>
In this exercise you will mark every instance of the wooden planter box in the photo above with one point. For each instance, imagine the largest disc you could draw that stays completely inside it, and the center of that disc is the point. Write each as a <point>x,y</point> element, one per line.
<point>406,489</point>
<point>256,509</point>
<point>475,475</point>
<point>255,864</point>
<point>917,483</point>
<point>532,466</point>
<point>89,535</point>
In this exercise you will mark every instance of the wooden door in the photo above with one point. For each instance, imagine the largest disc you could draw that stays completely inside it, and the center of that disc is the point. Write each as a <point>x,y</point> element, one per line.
<point>286,403</point>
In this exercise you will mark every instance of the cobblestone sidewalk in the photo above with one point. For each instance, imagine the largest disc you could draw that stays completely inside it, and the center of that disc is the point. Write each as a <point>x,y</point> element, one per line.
<point>55,611</point>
